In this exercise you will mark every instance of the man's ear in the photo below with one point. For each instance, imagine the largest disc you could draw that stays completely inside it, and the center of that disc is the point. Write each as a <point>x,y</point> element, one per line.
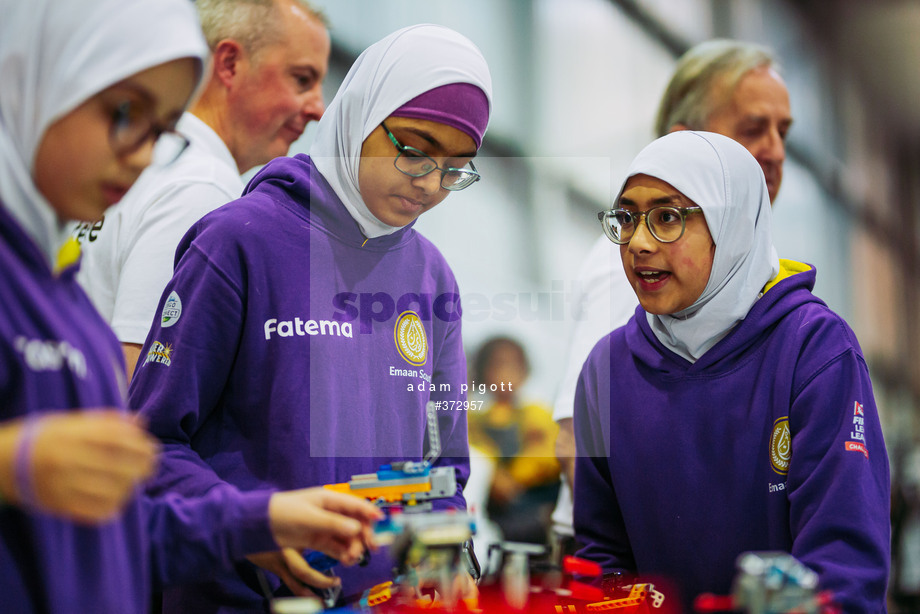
<point>227,57</point>
<point>678,128</point>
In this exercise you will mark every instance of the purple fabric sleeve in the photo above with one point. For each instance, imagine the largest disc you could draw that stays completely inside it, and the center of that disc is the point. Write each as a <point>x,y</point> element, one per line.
<point>597,518</point>
<point>187,391</point>
<point>838,498</point>
<point>193,538</point>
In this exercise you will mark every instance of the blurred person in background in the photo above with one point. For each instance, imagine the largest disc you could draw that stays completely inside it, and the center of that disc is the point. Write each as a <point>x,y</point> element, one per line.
<point>730,87</point>
<point>519,437</point>
<point>269,59</point>
<point>88,88</point>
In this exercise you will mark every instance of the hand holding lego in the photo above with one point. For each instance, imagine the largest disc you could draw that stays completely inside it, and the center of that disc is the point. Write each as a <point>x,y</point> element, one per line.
<point>291,567</point>
<point>318,519</point>
<point>81,465</point>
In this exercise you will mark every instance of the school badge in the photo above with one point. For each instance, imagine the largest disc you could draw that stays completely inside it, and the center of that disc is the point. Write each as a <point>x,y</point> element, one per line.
<point>781,446</point>
<point>172,309</point>
<point>411,340</point>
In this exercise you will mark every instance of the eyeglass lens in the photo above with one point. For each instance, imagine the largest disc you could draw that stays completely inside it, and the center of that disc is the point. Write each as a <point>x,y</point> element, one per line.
<point>132,126</point>
<point>665,223</point>
<point>419,165</point>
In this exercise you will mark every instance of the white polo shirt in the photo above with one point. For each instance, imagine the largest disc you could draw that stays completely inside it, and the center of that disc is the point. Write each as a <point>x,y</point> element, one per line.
<point>128,255</point>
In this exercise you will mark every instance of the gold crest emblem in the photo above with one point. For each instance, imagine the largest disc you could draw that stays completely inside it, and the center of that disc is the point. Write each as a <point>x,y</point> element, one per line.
<point>781,446</point>
<point>411,340</point>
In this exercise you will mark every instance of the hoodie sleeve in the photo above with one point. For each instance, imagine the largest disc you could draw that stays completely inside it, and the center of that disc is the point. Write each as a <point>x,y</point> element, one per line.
<point>839,485</point>
<point>191,538</point>
<point>598,522</point>
<point>184,366</point>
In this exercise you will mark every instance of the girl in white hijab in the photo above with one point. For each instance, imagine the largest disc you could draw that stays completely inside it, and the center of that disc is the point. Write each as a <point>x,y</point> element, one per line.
<point>736,209</point>
<point>54,56</point>
<point>733,404</point>
<point>319,233</point>
<point>88,87</point>
<point>392,77</point>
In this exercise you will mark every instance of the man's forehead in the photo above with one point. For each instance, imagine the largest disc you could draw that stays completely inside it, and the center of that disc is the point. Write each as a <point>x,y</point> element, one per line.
<point>301,46</point>
<point>761,85</point>
<point>759,93</point>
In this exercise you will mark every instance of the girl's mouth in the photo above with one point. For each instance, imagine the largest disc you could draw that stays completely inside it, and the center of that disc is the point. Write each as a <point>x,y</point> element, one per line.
<point>652,279</point>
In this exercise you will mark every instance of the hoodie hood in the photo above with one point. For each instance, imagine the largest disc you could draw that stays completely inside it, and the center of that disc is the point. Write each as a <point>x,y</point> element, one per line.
<point>297,184</point>
<point>790,289</point>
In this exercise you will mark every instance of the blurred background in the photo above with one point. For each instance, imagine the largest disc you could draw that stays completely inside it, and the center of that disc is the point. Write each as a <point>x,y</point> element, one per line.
<point>576,89</point>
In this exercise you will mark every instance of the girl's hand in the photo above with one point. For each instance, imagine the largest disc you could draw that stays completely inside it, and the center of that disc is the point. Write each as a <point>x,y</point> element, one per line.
<point>81,465</point>
<point>290,566</point>
<point>337,524</point>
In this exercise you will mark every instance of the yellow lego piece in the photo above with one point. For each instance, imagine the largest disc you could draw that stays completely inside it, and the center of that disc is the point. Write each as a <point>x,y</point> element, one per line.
<point>381,593</point>
<point>636,597</point>
<point>390,494</point>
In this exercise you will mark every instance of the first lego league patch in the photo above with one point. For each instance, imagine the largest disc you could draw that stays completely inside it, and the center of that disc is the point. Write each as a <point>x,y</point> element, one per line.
<point>857,441</point>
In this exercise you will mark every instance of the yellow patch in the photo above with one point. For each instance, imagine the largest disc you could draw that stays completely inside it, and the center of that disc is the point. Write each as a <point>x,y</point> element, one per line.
<point>787,268</point>
<point>781,446</point>
<point>411,340</point>
<point>68,255</point>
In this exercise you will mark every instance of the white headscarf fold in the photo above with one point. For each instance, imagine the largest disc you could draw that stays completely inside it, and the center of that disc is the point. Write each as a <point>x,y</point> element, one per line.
<point>387,75</point>
<point>56,54</point>
<point>723,178</point>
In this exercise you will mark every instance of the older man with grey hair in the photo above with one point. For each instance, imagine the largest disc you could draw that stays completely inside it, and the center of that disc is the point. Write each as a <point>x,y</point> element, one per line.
<point>725,86</point>
<point>734,89</point>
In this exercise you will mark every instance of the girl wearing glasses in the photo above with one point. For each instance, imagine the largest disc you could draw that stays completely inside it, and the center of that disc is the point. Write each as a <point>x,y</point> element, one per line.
<point>734,411</point>
<point>87,89</point>
<point>307,324</point>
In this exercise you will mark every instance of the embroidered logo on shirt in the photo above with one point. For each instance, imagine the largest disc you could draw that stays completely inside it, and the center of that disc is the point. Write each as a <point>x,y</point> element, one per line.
<point>171,310</point>
<point>857,441</point>
<point>42,355</point>
<point>411,340</point>
<point>781,446</point>
<point>159,353</point>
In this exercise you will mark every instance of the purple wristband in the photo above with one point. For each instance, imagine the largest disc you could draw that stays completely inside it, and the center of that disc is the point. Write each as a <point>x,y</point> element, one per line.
<point>21,473</point>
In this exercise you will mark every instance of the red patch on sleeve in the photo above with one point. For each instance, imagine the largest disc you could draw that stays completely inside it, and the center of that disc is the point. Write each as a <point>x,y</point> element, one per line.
<point>853,446</point>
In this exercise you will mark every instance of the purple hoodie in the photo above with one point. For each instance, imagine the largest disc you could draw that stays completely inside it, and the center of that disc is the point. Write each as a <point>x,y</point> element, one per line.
<point>291,352</point>
<point>770,441</point>
<point>56,353</point>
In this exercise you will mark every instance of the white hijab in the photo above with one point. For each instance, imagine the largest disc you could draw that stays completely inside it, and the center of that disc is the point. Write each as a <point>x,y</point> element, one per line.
<point>389,73</point>
<point>56,54</point>
<point>724,179</point>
